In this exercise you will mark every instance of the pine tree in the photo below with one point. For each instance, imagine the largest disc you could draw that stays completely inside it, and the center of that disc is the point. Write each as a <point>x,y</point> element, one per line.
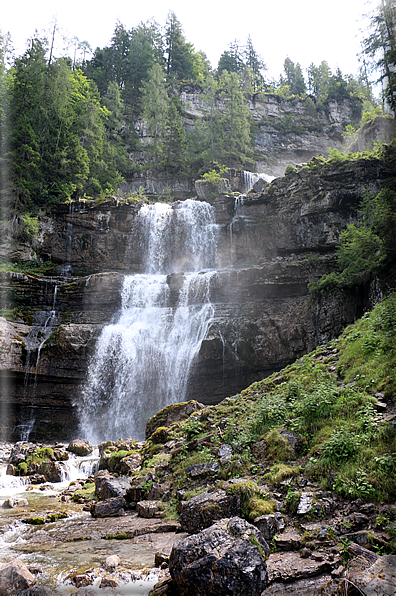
<point>380,48</point>
<point>155,111</point>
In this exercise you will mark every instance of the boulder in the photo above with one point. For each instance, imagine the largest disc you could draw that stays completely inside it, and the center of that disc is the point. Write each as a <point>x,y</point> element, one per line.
<point>109,508</point>
<point>101,478</point>
<point>114,487</point>
<point>80,447</point>
<point>112,562</point>
<point>36,591</point>
<point>201,511</point>
<point>52,471</point>
<point>170,414</point>
<point>15,576</point>
<point>305,503</point>
<point>14,502</point>
<point>269,525</point>
<point>149,509</point>
<point>130,464</point>
<point>203,470</point>
<point>227,558</point>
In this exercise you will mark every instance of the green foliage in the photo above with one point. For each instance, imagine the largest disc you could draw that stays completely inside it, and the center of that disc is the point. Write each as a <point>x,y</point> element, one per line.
<point>215,176</point>
<point>278,448</point>
<point>254,501</point>
<point>280,472</point>
<point>379,46</point>
<point>290,170</point>
<point>292,500</point>
<point>366,248</point>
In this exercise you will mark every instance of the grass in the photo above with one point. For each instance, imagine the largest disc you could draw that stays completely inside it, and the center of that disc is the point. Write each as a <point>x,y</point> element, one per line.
<point>327,399</point>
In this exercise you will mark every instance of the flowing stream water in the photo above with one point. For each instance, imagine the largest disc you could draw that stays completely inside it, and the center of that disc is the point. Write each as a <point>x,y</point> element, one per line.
<point>143,358</point>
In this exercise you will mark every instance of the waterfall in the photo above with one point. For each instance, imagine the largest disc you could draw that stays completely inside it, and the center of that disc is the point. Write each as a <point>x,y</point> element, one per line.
<point>250,178</point>
<point>143,358</point>
<point>44,322</point>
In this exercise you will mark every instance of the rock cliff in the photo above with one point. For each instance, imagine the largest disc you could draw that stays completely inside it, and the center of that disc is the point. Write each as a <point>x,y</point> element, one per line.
<point>270,245</point>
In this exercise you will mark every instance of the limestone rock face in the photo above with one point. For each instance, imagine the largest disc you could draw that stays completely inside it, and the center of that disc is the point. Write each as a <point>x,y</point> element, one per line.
<point>227,558</point>
<point>271,244</point>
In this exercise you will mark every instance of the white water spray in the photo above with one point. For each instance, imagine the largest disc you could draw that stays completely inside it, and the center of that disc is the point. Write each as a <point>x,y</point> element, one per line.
<point>250,178</point>
<point>143,359</point>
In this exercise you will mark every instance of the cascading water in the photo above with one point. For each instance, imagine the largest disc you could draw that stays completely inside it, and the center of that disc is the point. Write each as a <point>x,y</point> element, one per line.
<point>250,178</point>
<point>43,325</point>
<point>143,359</point>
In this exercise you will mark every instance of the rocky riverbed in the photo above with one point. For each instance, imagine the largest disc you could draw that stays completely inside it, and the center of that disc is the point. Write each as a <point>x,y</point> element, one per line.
<point>113,533</point>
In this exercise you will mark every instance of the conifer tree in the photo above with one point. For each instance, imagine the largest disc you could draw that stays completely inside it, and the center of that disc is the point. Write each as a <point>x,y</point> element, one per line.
<point>155,111</point>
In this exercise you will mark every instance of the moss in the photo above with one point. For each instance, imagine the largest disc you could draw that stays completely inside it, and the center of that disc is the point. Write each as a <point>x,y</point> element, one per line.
<point>22,468</point>
<point>34,521</point>
<point>160,435</point>
<point>53,517</point>
<point>87,492</point>
<point>278,448</point>
<point>280,472</point>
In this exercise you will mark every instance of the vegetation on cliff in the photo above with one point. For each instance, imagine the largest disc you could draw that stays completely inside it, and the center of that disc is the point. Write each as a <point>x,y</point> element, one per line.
<point>324,424</point>
<point>366,249</point>
<point>69,127</point>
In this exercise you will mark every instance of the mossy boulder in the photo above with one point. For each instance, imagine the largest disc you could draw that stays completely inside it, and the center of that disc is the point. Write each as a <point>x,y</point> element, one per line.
<point>171,414</point>
<point>79,447</point>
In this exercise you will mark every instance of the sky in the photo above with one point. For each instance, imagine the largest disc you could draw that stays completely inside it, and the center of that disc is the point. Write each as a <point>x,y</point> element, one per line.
<point>305,30</point>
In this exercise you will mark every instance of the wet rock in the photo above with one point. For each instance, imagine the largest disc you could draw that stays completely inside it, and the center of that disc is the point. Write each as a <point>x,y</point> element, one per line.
<point>15,576</point>
<point>109,581</point>
<point>112,562</point>
<point>305,503</point>
<point>165,587</point>
<point>227,558</point>
<point>52,471</point>
<point>14,502</point>
<point>86,592</point>
<point>269,525</point>
<point>35,591</point>
<point>203,470</point>
<point>225,453</point>
<point>81,580</point>
<point>322,584</point>
<point>161,559</point>
<point>201,511</point>
<point>109,508</point>
<point>149,509</point>
<point>80,447</point>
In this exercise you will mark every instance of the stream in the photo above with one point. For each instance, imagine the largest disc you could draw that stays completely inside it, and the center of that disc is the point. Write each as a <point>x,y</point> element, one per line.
<point>59,552</point>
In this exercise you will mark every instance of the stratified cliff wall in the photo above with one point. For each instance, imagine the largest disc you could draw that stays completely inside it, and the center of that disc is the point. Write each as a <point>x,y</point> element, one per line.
<point>270,245</point>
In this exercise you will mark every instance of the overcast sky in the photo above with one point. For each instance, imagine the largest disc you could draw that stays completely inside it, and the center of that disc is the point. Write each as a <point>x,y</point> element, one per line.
<point>305,30</point>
